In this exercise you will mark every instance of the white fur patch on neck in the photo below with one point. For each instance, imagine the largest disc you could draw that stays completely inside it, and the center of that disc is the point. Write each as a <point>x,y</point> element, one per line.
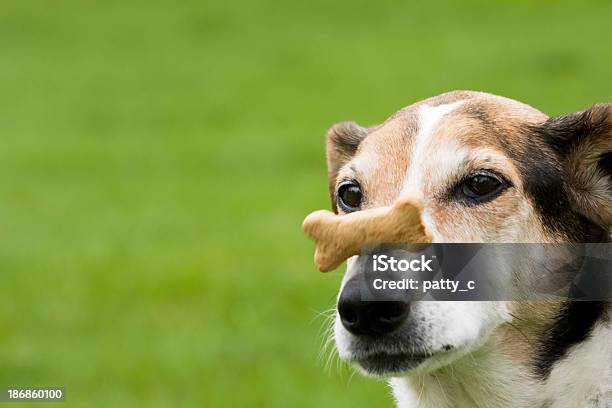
<point>583,378</point>
<point>429,116</point>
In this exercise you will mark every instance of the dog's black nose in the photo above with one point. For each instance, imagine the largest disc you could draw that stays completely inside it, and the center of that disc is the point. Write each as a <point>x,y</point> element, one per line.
<point>370,317</point>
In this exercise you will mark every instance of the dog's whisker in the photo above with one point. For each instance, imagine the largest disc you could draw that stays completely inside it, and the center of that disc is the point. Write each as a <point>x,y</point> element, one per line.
<point>422,389</point>
<point>442,391</point>
<point>327,348</point>
<point>348,384</point>
<point>325,314</point>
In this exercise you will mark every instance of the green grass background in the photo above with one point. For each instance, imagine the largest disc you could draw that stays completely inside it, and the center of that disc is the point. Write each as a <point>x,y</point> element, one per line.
<point>157,158</point>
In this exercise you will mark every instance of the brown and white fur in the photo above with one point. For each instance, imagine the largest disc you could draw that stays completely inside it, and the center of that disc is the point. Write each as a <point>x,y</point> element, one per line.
<point>559,172</point>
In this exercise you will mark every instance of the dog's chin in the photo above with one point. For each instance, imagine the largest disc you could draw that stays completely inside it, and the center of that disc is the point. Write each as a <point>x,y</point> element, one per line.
<point>386,364</point>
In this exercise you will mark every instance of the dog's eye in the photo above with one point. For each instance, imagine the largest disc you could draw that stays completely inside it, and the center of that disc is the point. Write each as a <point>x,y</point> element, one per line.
<point>349,196</point>
<point>482,187</point>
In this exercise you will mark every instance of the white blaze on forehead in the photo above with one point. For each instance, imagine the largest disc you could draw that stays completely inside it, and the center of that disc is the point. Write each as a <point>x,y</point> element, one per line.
<point>429,116</point>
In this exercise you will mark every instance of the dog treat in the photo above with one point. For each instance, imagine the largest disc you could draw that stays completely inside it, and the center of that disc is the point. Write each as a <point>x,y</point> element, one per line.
<point>338,237</point>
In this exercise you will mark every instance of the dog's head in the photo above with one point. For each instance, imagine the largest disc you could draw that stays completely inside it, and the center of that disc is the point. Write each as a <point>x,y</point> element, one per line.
<point>483,169</point>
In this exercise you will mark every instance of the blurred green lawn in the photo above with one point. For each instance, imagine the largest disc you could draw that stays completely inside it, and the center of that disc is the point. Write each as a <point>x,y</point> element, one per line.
<point>157,158</point>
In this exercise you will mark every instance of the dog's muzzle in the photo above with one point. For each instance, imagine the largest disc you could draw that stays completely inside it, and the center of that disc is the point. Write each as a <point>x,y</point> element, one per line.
<point>371,317</point>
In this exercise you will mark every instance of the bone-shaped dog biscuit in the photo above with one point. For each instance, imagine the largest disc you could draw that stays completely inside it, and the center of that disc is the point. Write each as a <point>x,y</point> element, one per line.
<point>338,237</point>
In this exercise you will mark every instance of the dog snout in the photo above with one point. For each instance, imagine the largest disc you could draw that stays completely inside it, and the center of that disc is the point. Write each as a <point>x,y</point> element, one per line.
<point>370,317</point>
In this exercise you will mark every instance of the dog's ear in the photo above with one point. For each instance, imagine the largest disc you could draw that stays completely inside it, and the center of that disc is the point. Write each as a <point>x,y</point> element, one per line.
<point>342,141</point>
<point>584,143</point>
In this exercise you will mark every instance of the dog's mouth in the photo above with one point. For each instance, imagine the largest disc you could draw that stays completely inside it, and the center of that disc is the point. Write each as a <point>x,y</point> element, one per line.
<point>384,364</point>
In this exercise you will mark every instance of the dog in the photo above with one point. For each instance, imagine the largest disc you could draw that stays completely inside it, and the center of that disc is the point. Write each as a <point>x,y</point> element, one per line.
<point>485,169</point>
